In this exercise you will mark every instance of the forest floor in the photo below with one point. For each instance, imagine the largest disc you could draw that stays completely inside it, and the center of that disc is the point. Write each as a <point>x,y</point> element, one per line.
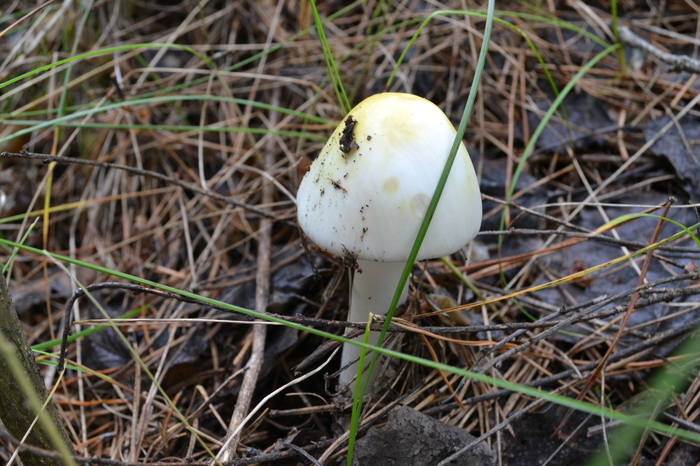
<point>173,154</point>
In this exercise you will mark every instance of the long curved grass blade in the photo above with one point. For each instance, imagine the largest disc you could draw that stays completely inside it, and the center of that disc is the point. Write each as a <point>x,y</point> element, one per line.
<point>357,402</point>
<point>155,100</point>
<point>558,399</point>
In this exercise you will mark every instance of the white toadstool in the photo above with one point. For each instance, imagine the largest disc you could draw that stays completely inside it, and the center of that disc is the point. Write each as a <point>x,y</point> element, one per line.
<point>366,194</point>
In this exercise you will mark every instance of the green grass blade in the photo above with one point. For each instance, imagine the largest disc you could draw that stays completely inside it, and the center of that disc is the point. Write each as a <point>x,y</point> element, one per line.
<point>107,51</point>
<point>561,400</point>
<point>39,347</point>
<point>155,100</point>
<point>357,402</point>
<point>330,61</point>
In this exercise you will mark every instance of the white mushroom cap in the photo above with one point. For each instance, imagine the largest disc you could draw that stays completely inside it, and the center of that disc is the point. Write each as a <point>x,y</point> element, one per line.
<point>366,194</point>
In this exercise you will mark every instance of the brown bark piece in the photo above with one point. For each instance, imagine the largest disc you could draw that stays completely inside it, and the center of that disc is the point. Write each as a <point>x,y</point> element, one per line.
<point>411,438</point>
<point>15,409</point>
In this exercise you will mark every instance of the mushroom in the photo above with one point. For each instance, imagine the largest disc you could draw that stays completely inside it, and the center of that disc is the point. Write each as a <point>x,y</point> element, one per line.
<point>366,194</point>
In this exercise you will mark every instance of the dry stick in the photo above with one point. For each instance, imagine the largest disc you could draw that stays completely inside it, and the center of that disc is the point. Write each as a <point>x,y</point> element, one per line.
<point>604,184</point>
<point>639,350</point>
<point>25,17</point>
<point>645,267</point>
<point>493,266</point>
<point>620,169</point>
<point>46,158</point>
<point>659,295</point>
<point>580,232</point>
<point>262,296</point>
<point>265,458</point>
<point>676,250</point>
<point>555,326</point>
<point>662,295</point>
<point>687,423</point>
<point>676,62</point>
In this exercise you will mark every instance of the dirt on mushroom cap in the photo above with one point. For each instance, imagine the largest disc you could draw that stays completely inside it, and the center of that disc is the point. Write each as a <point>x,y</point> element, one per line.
<point>368,190</point>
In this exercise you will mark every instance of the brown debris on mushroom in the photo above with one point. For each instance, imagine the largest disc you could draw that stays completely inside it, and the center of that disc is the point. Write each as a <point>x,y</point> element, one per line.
<point>347,139</point>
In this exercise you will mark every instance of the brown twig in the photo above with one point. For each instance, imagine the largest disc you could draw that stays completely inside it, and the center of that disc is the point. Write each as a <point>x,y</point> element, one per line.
<point>277,455</point>
<point>640,350</point>
<point>630,308</point>
<point>262,296</point>
<point>676,62</point>
<point>25,18</point>
<point>47,158</point>
<point>21,394</point>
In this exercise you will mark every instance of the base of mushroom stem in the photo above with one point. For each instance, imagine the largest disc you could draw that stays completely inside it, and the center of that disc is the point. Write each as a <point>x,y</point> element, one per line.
<point>384,372</point>
<point>372,292</point>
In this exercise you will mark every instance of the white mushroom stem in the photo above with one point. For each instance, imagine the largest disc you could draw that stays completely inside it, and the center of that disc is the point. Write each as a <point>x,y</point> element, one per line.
<point>372,291</point>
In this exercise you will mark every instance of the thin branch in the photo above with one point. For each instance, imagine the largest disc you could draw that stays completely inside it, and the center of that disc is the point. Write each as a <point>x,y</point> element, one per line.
<point>640,349</point>
<point>676,62</point>
<point>262,298</point>
<point>46,158</point>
